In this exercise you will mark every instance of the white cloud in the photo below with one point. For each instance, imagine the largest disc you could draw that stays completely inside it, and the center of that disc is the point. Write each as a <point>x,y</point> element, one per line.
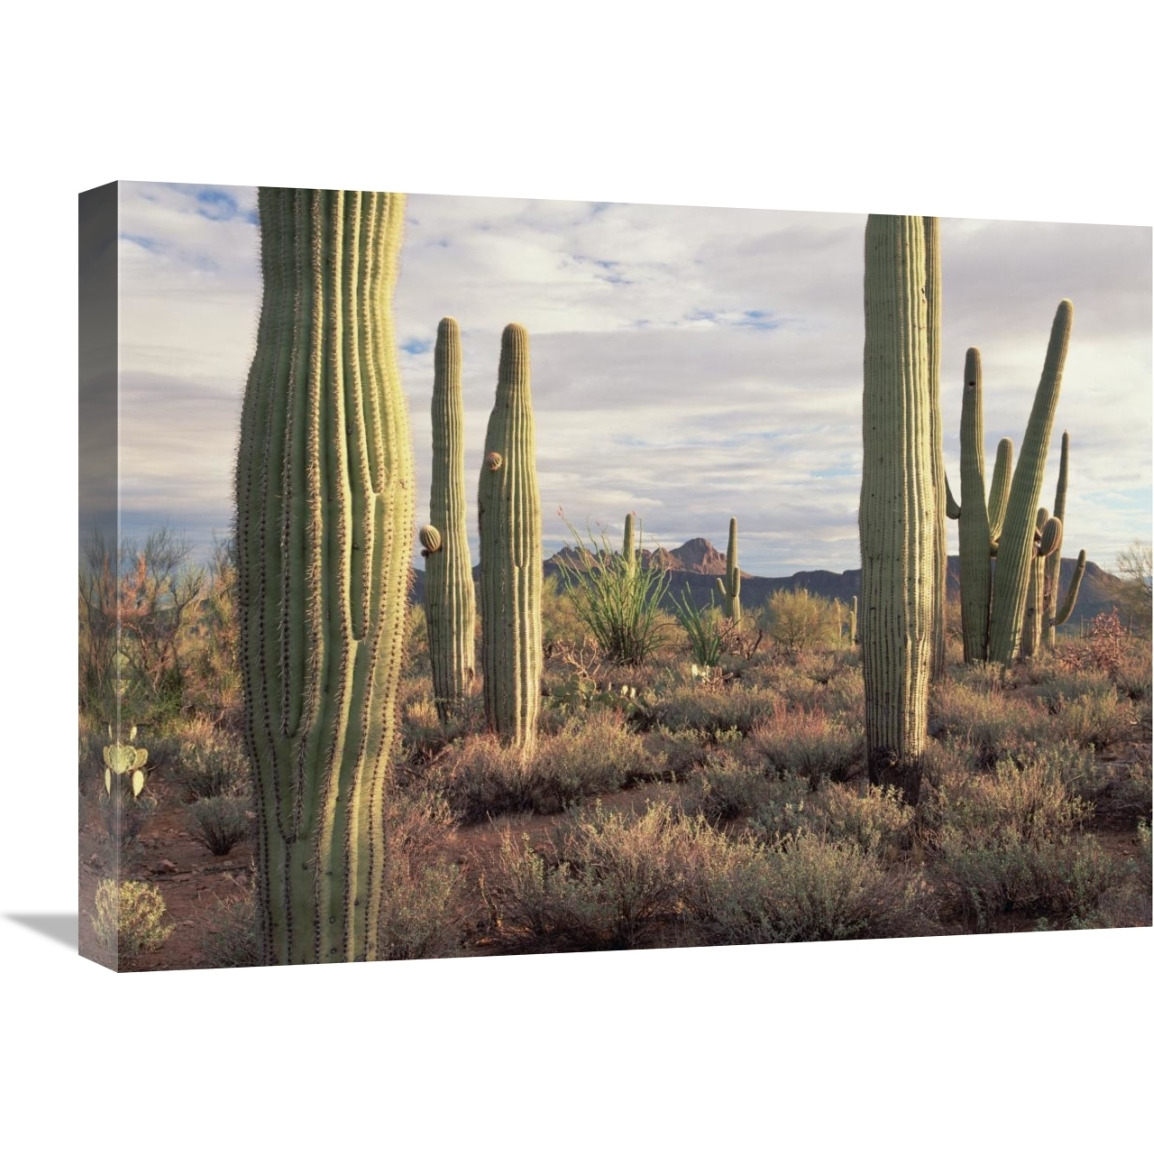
<point>689,364</point>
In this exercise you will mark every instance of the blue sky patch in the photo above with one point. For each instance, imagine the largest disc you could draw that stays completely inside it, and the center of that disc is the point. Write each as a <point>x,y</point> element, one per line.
<point>216,204</point>
<point>416,347</point>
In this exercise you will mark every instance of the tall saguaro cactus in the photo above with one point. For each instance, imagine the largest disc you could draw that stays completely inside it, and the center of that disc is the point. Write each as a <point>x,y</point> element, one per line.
<point>730,584</point>
<point>1016,547</point>
<point>932,230</point>
<point>450,602</point>
<point>324,486</point>
<point>509,511</point>
<point>897,515</point>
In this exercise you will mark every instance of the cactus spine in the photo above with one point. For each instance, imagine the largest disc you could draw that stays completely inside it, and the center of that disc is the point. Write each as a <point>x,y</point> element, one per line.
<point>897,515</point>
<point>324,527</point>
<point>449,598</point>
<point>1016,544</point>
<point>730,584</point>
<point>509,512</point>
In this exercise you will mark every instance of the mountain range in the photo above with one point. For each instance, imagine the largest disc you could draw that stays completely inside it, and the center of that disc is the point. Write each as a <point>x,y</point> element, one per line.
<point>694,567</point>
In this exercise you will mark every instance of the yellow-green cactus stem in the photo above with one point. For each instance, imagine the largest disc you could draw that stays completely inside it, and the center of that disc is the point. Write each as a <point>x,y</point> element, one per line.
<point>1047,541</point>
<point>629,546</point>
<point>1016,542</point>
<point>509,512</point>
<point>897,514</point>
<point>450,602</point>
<point>324,528</point>
<point>730,584</point>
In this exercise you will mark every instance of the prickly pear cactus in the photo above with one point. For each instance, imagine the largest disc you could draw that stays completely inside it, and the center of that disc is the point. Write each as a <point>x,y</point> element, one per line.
<point>509,511</point>
<point>324,526</point>
<point>450,602</point>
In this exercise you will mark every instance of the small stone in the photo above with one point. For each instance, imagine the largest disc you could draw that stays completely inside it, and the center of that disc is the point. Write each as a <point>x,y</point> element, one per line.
<point>166,867</point>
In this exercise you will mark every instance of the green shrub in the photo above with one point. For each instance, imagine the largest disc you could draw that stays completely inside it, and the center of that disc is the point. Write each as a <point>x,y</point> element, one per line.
<point>129,919</point>
<point>123,814</point>
<point>1098,719</point>
<point>617,599</point>
<point>218,823</point>
<point>990,721</point>
<point>799,621</point>
<point>703,628</point>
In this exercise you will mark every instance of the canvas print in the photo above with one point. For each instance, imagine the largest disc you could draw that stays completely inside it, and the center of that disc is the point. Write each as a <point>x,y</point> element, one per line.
<point>464,577</point>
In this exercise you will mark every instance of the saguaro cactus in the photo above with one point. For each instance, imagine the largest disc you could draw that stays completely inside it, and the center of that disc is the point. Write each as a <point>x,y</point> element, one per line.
<point>324,486</point>
<point>937,460</point>
<point>509,511</point>
<point>1016,544</point>
<point>1047,541</point>
<point>730,584</point>
<point>450,603</point>
<point>629,546</point>
<point>897,514</point>
<point>1055,616</point>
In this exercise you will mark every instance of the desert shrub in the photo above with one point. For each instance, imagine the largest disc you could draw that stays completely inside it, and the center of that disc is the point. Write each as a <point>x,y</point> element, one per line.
<point>425,909</point>
<point>809,744</point>
<point>1030,802</point>
<point>1064,877</point>
<point>617,599</point>
<point>727,787</point>
<point>417,660</point>
<point>1095,719</point>
<point>231,942</point>
<point>610,882</point>
<point>124,816</point>
<point>807,888</point>
<point>129,919</point>
<point>593,754</point>
<point>711,705</point>
<point>218,823</point>
<point>990,721</point>
<point>561,625</point>
<point>1126,795</point>
<point>799,620</point>
<point>878,823</point>
<point>210,763</point>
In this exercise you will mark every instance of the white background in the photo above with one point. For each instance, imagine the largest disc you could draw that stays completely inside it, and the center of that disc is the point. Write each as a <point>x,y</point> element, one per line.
<point>1037,1042</point>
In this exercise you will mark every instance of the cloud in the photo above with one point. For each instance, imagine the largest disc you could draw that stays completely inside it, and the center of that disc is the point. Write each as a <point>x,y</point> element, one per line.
<point>690,364</point>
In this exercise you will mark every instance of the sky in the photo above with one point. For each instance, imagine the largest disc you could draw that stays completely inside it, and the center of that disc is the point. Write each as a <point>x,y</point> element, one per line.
<point>688,364</point>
